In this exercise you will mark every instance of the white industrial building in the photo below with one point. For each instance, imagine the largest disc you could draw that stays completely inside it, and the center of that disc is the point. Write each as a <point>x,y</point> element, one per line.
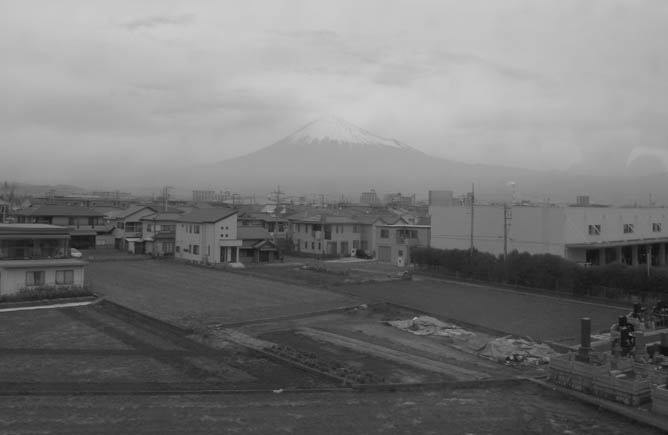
<point>586,234</point>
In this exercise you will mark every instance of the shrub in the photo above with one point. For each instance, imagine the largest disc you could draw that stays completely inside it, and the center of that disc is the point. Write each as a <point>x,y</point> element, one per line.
<point>46,293</point>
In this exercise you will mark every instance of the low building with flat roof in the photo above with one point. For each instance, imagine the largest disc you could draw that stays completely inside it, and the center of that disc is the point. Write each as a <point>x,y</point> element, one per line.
<point>37,256</point>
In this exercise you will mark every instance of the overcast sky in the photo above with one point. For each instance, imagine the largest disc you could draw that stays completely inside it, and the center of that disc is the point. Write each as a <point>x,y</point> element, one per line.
<point>89,87</point>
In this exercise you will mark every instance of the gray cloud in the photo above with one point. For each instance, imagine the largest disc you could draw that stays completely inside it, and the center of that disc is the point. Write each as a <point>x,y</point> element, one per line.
<point>159,20</point>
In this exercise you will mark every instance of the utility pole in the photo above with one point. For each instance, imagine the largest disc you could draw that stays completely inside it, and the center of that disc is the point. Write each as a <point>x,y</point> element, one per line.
<point>165,195</point>
<point>472,215</point>
<point>507,216</point>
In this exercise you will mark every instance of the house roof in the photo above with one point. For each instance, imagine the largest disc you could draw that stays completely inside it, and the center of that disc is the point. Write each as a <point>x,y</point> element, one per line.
<point>32,229</point>
<point>58,210</point>
<point>124,213</point>
<point>252,233</point>
<point>207,215</point>
<point>162,217</point>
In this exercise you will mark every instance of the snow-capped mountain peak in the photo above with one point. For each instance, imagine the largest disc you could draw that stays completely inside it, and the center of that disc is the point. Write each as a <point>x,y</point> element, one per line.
<point>335,131</point>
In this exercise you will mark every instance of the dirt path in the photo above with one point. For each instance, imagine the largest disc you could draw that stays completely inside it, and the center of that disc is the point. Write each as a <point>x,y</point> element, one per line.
<point>420,362</point>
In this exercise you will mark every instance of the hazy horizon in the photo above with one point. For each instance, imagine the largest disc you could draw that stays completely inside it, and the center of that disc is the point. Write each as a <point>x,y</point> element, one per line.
<point>106,93</point>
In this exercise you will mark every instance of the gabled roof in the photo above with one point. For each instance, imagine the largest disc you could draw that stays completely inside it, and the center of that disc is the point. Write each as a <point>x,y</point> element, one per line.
<point>124,213</point>
<point>207,215</point>
<point>162,217</point>
<point>252,233</point>
<point>59,210</point>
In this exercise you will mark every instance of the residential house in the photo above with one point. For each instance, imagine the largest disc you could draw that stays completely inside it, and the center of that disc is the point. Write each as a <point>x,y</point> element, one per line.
<point>323,234</point>
<point>37,255</point>
<point>5,208</point>
<point>159,233</point>
<point>85,224</point>
<point>276,224</point>
<point>127,225</point>
<point>208,236</point>
<point>394,242</point>
<point>257,245</point>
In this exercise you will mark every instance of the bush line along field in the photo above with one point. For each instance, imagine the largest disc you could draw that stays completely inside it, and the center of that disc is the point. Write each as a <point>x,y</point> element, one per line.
<point>543,271</point>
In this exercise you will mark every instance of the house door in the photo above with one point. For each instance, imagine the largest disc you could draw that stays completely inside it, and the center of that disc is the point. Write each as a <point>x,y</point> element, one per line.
<point>344,249</point>
<point>233,253</point>
<point>384,253</point>
<point>223,254</point>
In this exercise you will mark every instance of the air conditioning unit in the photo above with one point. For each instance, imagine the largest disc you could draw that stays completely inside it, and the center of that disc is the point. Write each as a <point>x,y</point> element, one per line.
<point>353,252</point>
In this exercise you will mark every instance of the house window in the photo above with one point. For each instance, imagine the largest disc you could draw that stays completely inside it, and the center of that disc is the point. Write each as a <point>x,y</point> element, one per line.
<point>414,234</point>
<point>35,278</point>
<point>628,228</point>
<point>305,245</point>
<point>196,229</point>
<point>149,228</point>
<point>64,277</point>
<point>120,225</point>
<point>656,227</point>
<point>594,230</point>
<point>177,248</point>
<point>71,221</point>
<point>312,245</point>
<point>196,249</point>
<point>356,228</point>
<point>328,232</point>
<point>319,246</point>
<point>384,234</point>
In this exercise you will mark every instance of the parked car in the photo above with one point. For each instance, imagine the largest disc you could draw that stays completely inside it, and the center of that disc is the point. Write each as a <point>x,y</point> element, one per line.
<point>75,253</point>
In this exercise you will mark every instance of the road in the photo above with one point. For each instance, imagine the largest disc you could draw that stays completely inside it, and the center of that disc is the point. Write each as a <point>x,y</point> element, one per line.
<point>537,316</point>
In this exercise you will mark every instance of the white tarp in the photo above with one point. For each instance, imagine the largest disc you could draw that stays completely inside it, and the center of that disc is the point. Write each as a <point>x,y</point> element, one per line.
<point>425,325</point>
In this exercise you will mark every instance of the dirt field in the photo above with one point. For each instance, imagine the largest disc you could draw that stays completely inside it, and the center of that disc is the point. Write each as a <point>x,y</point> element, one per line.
<point>511,410</point>
<point>196,296</point>
<point>93,348</point>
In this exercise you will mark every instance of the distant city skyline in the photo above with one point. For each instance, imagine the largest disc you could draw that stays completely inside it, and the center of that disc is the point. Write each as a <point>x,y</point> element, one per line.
<point>97,92</point>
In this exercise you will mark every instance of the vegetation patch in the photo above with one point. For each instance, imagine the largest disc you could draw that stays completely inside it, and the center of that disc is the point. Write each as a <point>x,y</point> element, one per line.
<point>350,375</point>
<point>46,293</point>
<point>543,271</point>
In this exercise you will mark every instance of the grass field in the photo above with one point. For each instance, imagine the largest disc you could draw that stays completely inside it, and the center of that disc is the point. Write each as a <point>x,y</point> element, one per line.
<point>195,296</point>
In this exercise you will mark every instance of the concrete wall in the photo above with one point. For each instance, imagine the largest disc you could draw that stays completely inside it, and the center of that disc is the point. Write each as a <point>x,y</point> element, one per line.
<point>532,229</point>
<point>14,279</point>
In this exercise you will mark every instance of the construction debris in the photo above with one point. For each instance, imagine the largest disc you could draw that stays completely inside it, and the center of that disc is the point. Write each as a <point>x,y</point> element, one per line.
<point>425,325</point>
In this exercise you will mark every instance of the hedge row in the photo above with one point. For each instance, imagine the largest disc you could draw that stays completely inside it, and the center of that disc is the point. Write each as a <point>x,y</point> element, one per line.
<point>544,271</point>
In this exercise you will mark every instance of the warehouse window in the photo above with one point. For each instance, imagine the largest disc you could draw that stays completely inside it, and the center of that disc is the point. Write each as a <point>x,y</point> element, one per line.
<point>594,230</point>
<point>628,228</point>
<point>656,227</point>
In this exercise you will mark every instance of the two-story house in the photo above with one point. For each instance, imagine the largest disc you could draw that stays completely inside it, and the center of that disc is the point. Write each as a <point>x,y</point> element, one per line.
<point>394,242</point>
<point>37,256</point>
<point>208,236</point>
<point>127,225</point>
<point>84,223</point>
<point>159,233</point>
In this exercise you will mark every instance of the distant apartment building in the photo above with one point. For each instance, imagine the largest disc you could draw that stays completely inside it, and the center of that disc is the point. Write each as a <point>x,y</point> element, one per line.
<point>37,255</point>
<point>399,200</point>
<point>596,235</point>
<point>369,198</point>
<point>441,198</point>
<point>210,196</point>
<point>84,224</point>
<point>208,236</point>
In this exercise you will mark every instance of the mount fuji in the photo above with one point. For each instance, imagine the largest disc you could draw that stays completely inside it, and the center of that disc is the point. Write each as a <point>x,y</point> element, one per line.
<point>330,155</point>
